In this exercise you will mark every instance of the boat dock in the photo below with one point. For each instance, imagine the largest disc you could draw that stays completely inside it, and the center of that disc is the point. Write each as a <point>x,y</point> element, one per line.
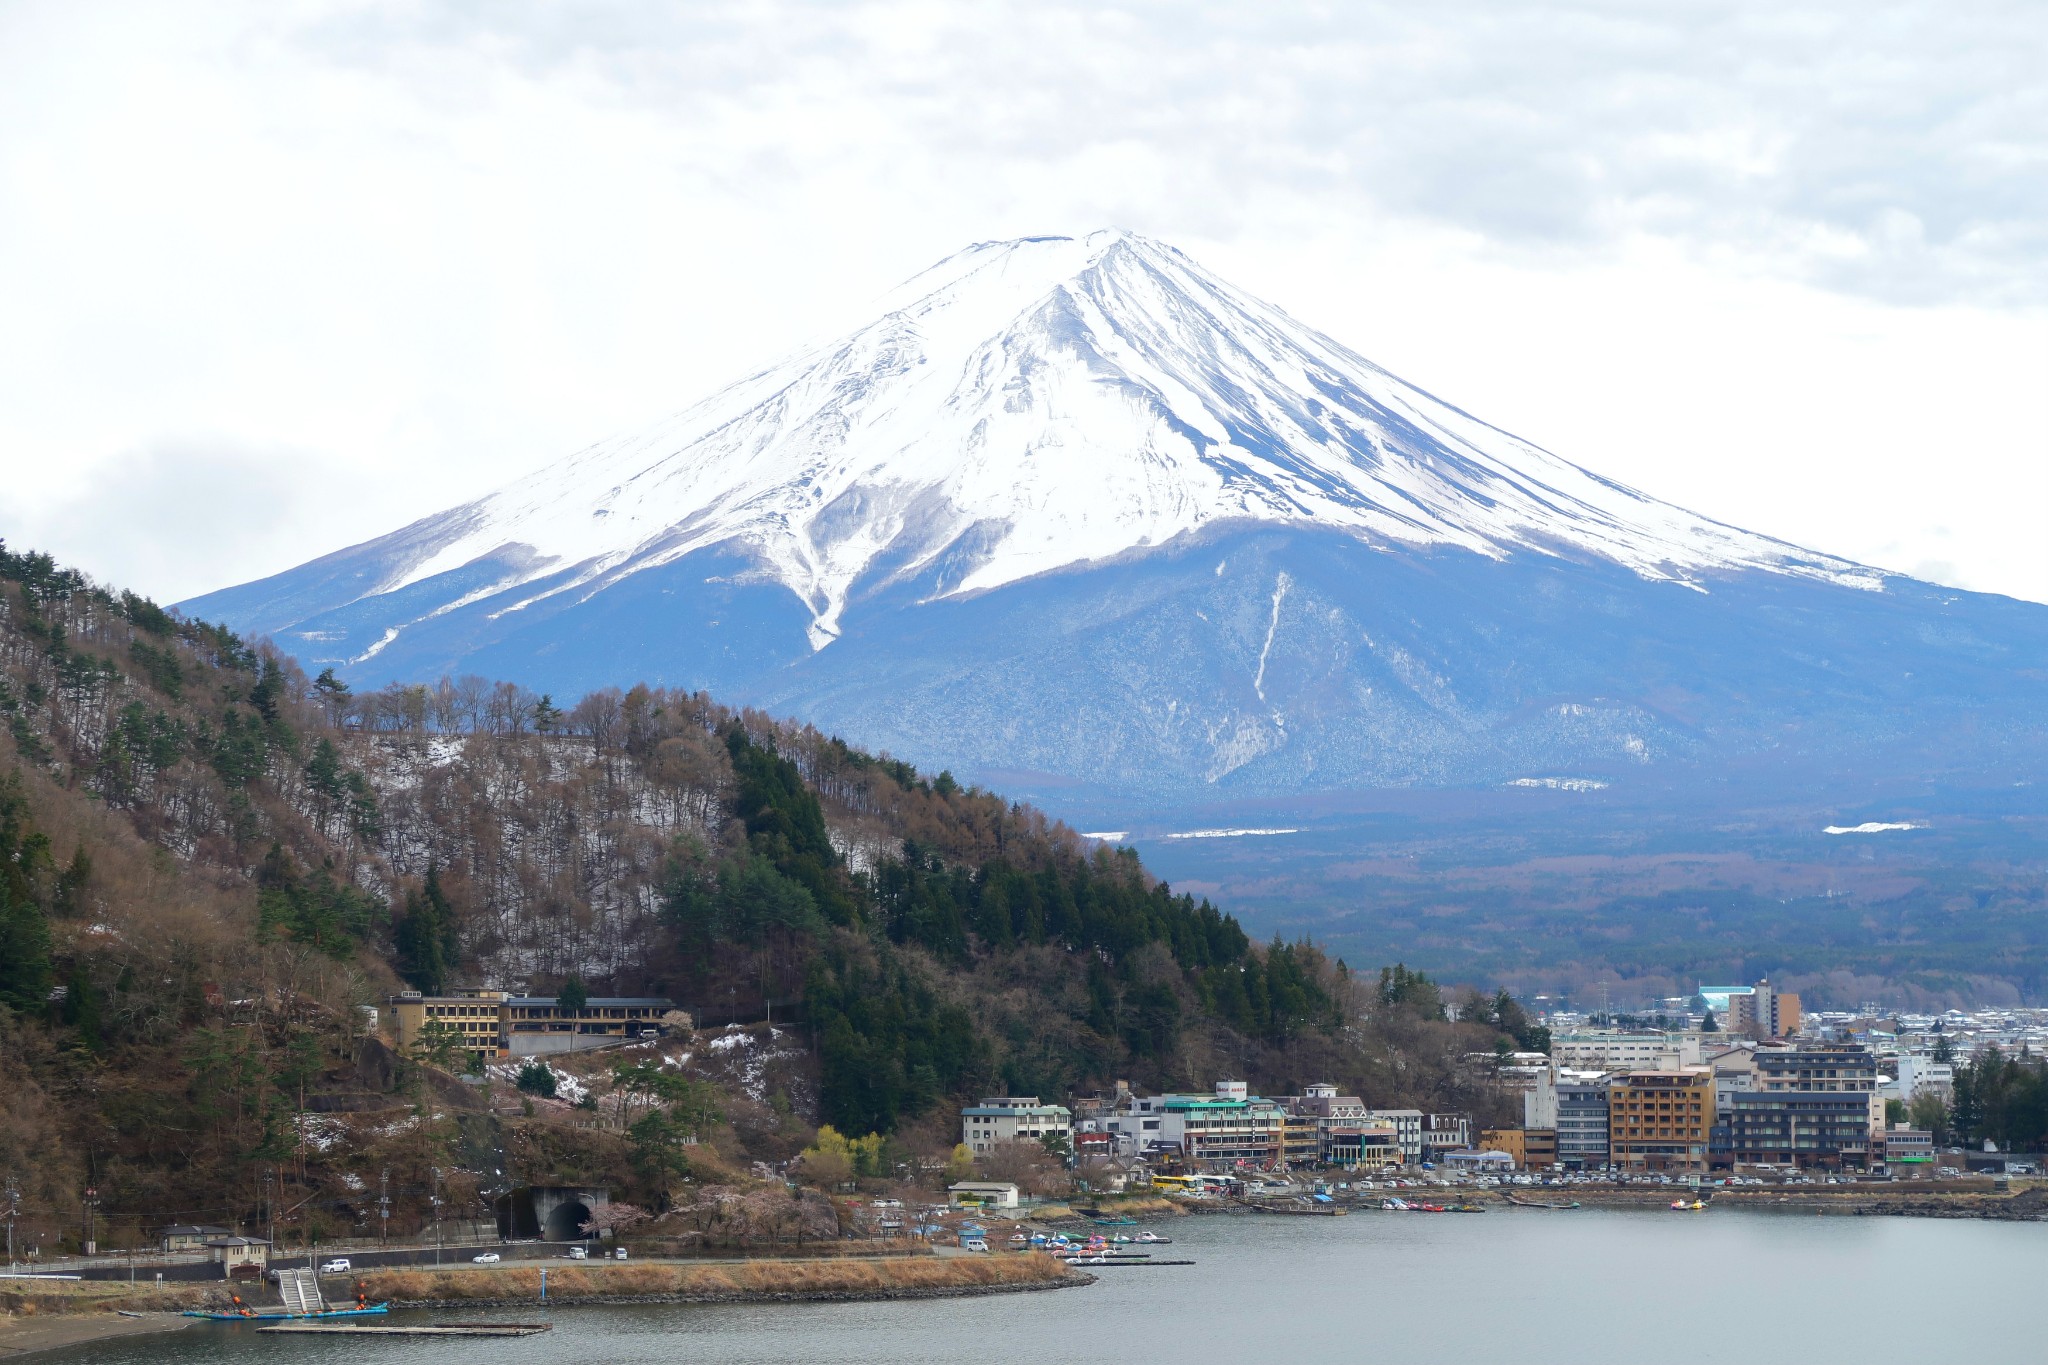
<point>424,1329</point>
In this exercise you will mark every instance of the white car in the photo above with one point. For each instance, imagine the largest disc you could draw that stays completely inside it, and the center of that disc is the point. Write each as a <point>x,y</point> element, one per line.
<point>487,1258</point>
<point>338,1266</point>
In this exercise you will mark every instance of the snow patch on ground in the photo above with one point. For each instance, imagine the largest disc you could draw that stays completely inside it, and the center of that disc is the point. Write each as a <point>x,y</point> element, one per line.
<point>322,1132</point>
<point>1869,827</point>
<point>1226,833</point>
<point>569,1088</point>
<point>1561,784</point>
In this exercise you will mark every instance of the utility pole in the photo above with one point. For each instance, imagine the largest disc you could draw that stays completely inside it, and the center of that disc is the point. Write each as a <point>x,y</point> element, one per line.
<point>384,1205</point>
<point>92,1203</point>
<point>13,1214</point>
<point>270,1206</point>
<point>436,1198</point>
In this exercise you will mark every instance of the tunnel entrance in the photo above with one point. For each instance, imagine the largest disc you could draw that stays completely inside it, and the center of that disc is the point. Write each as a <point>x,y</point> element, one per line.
<point>565,1222</point>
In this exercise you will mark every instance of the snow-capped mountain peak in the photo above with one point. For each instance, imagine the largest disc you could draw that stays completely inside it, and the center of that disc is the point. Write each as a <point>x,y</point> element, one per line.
<point>1030,405</point>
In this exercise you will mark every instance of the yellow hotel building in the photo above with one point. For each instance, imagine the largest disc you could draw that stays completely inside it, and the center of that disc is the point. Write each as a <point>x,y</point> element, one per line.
<point>499,1024</point>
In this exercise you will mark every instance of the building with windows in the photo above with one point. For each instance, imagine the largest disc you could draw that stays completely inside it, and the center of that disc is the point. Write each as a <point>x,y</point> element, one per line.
<point>1227,1128</point>
<point>1344,1135</point>
<point>1603,1049</point>
<point>1817,1066</point>
<point>1443,1133</point>
<point>1014,1118</point>
<point>1735,1071</point>
<point>983,1194</point>
<point>1807,1129</point>
<point>1301,1140</point>
<point>1509,1140</point>
<point>496,1024</point>
<point>1582,1122</point>
<point>190,1236</point>
<point>1407,1125</point>
<point>1917,1075</point>
<point>477,1016</point>
<point>1661,1121</point>
<point>1908,1151</point>
<point>1766,1012</point>
<point>540,1023</point>
<point>1815,1105</point>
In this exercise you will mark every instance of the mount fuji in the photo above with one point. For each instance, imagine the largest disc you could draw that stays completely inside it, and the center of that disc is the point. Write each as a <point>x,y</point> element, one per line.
<point>1074,514</point>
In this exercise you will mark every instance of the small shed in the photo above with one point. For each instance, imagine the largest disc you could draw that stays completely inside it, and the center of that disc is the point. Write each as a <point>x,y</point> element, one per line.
<point>982,1194</point>
<point>238,1256</point>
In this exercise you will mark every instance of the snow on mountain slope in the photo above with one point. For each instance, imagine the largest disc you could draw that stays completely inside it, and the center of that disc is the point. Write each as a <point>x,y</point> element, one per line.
<point>1030,405</point>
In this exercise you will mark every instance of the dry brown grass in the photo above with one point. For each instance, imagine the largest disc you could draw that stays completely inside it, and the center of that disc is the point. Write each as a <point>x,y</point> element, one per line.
<point>748,1279</point>
<point>57,1298</point>
<point>686,1249</point>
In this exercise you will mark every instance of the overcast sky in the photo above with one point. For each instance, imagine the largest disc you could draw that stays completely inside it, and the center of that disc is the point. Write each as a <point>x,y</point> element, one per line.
<point>278,277</point>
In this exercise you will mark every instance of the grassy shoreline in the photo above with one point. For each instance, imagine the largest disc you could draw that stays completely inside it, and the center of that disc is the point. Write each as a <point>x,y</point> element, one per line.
<point>775,1281</point>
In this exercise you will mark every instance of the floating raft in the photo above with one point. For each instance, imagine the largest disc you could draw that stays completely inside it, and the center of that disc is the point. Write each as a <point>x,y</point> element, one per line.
<point>425,1329</point>
<point>278,1315</point>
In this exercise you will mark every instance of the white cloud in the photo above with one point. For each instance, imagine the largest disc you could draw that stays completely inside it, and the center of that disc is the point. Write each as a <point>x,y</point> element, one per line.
<point>1779,261</point>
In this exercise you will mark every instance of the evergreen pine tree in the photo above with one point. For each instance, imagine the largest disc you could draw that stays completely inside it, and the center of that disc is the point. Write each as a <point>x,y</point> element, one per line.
<point>425,937</point>
<point>24,926</point>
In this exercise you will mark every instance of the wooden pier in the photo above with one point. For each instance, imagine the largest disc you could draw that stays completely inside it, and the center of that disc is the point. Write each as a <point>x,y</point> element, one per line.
<point>424,1329</point>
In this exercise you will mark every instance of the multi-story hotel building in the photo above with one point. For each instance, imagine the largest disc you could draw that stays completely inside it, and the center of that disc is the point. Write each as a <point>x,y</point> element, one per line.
<point>1014,1118</point>
<point>1661,1120</point>
<point>497,1024</point>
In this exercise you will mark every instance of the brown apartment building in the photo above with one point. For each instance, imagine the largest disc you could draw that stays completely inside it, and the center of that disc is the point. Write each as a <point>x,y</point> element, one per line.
<point>1660,1121</point>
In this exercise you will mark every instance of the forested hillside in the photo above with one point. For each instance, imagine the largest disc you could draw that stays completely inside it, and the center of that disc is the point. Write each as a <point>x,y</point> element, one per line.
<point>209,863</point>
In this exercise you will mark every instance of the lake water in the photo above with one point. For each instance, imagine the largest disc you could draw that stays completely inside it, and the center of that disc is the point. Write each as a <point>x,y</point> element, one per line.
<point>1586,1286</point>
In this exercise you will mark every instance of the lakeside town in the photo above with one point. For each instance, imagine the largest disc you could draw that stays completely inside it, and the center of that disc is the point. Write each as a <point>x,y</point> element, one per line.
<point>1737,1079</point>
<point>1734,1096</point>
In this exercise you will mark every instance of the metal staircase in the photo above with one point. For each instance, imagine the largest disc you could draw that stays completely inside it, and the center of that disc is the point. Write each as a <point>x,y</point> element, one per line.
<point>300,1290</point>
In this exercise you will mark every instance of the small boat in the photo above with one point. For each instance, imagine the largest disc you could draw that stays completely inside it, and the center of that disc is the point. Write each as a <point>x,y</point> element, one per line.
<point>1153,1239</point>
<point>1114,1222</point>
<point>1681,1206</point>
<point>1522,1203</point>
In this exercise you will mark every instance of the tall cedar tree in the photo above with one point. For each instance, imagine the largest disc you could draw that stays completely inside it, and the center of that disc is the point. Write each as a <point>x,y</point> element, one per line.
<point>427,938</point>
<point>24,924</point>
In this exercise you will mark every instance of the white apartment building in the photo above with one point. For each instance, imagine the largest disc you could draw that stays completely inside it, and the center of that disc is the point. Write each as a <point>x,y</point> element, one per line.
<point>1917,1073</point>
<point>1223,1128</point>
<point>1407,1125</point>
<point>1614,1050</point>
<point>1014,1118</point>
